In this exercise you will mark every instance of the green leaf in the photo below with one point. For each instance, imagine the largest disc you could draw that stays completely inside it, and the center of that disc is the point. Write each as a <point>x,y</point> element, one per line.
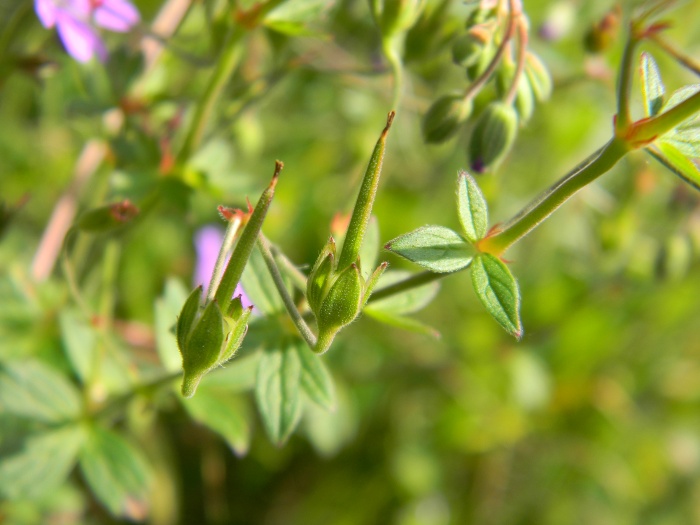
<point>436,248</point>
<point>42,465</point>
<point>329,432</point>
<point>167,309</point>
<point>224,413</point>
<point>315,379</point>
<point>402,322</point>
<point>79,339</point>
<point>34,390</point>
<point>680,95</point>
<point>406,302</point>
<point>277,390</point>
<point>653,89</point>
<point>471,205</point>
<point>260,287</point>
<point>498,291</point>
<point>117,473</point>
<point>669,156</point>
<point>293,16</point>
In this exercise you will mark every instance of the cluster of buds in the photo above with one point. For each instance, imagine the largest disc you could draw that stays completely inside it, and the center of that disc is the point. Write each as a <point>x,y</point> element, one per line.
<point>207,336</point>
<point>336,295</point>
<point>493,48</point>
<point>210,331</point>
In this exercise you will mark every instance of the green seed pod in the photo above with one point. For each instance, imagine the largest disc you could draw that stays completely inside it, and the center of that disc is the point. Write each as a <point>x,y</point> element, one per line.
<point>467,49</point>
<point>444,118</point>
<point>202,348</point>
<point>320,275</point>
<point>539,77</point>
<point>342,303</point>
<point>108,218</point>
<point>493,136</point>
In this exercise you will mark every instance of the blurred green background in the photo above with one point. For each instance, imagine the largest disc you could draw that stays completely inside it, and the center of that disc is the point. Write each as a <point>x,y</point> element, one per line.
<point>591,419</point>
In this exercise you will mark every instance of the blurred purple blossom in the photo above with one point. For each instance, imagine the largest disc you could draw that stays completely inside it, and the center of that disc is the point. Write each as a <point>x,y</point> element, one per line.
<point>77,20</point>
<point>207,243</point>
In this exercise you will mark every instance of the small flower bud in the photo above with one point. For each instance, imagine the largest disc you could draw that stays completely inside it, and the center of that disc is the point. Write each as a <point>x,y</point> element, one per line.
<point>487,54</point>
<point>467,49</point>
<point>493,136</point>
<point>109,218</point>
<point>539,77</point>
<point>603,33</point>
<point>444,117</point>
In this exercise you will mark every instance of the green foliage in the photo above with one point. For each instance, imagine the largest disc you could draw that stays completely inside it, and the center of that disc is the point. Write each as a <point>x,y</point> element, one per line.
<point>425,411</point>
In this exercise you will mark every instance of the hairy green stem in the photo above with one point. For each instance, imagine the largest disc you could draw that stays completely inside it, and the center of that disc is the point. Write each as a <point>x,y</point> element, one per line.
<point>289,268</point>
<point>389,47</point>
<point>410,282</point>
<point>244,246</point>
<point>649,129</point>
<point>543,206</point>
<point>294,314</point>
<point>225,65</point>
<point>624,85</point>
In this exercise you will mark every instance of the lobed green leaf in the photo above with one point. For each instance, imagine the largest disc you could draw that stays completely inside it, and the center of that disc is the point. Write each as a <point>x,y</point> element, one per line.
<point>472,208</point>
<point>223,412</point>
<point>498,291</point>
<point>116,472</point>
<point>277,390</point>
<point>653,89</point>
<point>668,155</point>
<point>34,390</point>
<point>435,248</point>
<point>42,465</point>
<point>315,379</point>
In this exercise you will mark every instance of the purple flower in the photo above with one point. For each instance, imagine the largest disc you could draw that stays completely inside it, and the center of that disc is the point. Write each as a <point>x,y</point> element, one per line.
<point>77,22</point>
<point>207,243</point>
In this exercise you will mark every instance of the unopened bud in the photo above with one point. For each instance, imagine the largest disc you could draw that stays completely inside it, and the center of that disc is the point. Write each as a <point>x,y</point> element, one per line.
<point>108,218</point>
<point>604,32</point>
<point>487,54</point>
<point>493,136</point>
<point>444,118</point>
<point>539,77</point>
<point>467,49</point>
<point>524,100</point>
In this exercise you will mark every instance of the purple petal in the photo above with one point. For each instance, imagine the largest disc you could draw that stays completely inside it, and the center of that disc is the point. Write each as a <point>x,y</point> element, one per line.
<point>207,243</point>
<point>46,11</point>
<point>81,41</point>
<point>116,15</point>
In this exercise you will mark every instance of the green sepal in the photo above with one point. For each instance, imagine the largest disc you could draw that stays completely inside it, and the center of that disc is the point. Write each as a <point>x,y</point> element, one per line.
<point>343,302</point>
<point>498,291</point>
<point>524,100</point>
<point>203,348</point>
<point>471,207</point>
<point>187,317</point>
<point>372,282</point>
<point>320,274</point>
<point>234,338</point>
